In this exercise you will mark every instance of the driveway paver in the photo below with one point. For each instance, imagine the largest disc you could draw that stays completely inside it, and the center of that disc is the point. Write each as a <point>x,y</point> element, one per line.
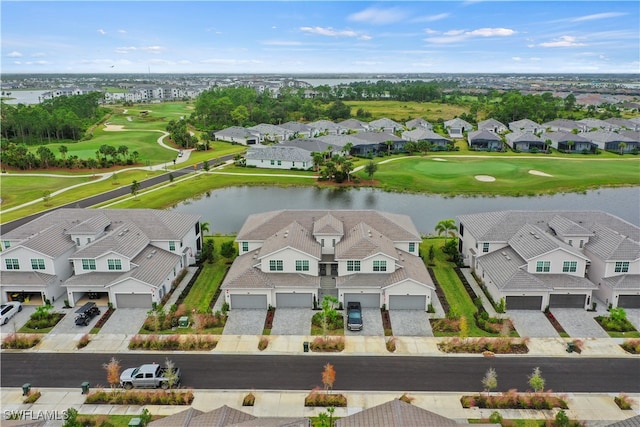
<point>18,321</point>
<point>371,323</point>
<point>532,324</point>
<point>410,323</point>
<point>124,321</point>
<point>245,322</point>
<point>579,323</point>
<point>633,314</point>
<point>292,321</point>
<point>68,323</point>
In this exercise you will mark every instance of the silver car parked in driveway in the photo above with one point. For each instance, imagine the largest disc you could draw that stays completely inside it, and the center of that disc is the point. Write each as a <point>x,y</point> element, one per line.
<point>8,310</point>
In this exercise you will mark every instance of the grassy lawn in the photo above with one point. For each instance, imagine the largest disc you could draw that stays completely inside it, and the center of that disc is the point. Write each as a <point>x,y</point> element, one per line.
<point>456,175</point>
<point>403,111</point>
<point>16,189</point>
<point>209,280</point>
<point>458,298</point>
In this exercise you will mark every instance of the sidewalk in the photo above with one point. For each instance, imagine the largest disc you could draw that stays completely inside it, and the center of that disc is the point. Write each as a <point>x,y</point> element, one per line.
<point>595,409</point>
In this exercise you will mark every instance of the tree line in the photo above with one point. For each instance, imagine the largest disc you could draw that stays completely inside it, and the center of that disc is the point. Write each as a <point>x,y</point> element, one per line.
<point>60,118</point>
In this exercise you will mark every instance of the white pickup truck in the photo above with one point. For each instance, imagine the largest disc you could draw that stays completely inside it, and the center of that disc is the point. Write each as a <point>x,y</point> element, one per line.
<point>150,375</point>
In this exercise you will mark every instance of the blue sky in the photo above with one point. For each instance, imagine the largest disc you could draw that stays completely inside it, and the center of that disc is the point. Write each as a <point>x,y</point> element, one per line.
<point>320,37</point>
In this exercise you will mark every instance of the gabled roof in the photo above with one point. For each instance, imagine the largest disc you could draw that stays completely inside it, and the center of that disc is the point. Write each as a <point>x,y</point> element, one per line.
<point>323,125</point>
<point>93,225</point>
<point>153,265</point>
<point>458,123</point>
<point>293,236</point>
<point>354,124</point>
<point>309,144</point>
<point>531,242</point>
<point>126,240</point>
<point>564,227</point>
<point>624,281</point>
<point>561,136</point>
<point>264,128</point>
<point>277,152</point>
<point>221,417</point>
<point>524,124</point>
<point>296,127</point>
<point>363,241</point>
<point>490,124</point>
<point>562,124</point>
<point>596,123</point>
<point>385,123</point>
<point>51,241</point>
<point>483,135</point>
<point>236,132</point>
<point>27,278</point>
<point>423,134</point>
<point>611,245</point>
<point>523,137</point>
<point>604,136</point>
<point>508,271</point>
<point>419,122</point>
<point>395,414</point>
<point>328,225</point>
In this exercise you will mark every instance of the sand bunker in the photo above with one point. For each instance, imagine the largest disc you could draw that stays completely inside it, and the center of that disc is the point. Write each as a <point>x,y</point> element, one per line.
<point>535,172</point>
<point>112,128</point>
<point>438,159</point>
<point>485,178</point>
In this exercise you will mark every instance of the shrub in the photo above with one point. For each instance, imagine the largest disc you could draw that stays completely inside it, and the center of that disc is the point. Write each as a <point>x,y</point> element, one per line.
<point>263,343</point>
<point>495,418</point>
<point>173,342</point>
<point>136,397</point>
<point>83,342</point>
<point>514,400</point>
<point>20,341</point>
<point>631,345</point>
<point>623,401</point>
<point>249,400</point>
<point>32,397</point>
<point>391,344</point>
<point>406,398</point>
<point>319,398</point>
<point>502,345</point>
<point>327,344</point>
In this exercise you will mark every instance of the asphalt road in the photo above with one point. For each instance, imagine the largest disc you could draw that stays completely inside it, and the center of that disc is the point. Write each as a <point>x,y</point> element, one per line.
<point>109,195</point>
<point>303,372</point>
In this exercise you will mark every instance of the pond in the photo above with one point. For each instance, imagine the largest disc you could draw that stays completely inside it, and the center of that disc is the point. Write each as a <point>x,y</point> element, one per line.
<point>227,209</point>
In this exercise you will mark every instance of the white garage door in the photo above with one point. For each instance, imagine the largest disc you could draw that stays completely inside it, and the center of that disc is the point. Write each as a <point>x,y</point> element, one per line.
<point>133,300</point>
<point>365,300</point>
<point>291,300</point>
<point>407,302</point>
<point>249,301</point>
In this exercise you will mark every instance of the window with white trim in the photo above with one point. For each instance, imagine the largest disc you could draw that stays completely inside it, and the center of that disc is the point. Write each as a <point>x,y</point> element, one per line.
<point>88,264</point>
<point>12,263</point>
<point>412,247</point>
<point>302,265</point>
<point>485,247</point>
<point>7,244</point>
<point>622,267</point>
<point>114,264</point>
<point>245,246</point>
<point>276,265</point>
<point>353,265</point>
<point>380,265</point>
<point>569,266</point>
<point>543,266</point>
<point>172,245</point>
<point>37,263</point>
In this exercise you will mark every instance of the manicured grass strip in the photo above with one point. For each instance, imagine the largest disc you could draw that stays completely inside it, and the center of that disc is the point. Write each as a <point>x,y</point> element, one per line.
<point>16,189</point>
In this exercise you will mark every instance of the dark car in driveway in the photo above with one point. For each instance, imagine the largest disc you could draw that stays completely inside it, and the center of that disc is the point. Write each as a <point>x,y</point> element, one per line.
<point>354,316</point>
<point>85,313</point>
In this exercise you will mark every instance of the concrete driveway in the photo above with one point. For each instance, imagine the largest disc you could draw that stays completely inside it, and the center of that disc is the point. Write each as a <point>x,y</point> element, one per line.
<point>68,325</point>
<point>532,324</point>
<point>245,322</point>
<point>124,321</point>
<point>371,323</point>
<point>633,314</point>
<point>579,323</point>
<point>410,323</point>
<point>292,321</point>
<point>18,321</point>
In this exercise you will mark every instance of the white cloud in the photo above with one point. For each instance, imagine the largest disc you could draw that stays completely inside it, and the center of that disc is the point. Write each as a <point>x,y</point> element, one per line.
<point>365,37</point>
<point>378,16</point>
<point>430,31</point>
<point>126,49</point>
<point>14,54</point>
<point>101,31</point>
<point>563,41</point>
<point>122,31</point>
<point>153,49</point>
<point>431,18</point>
<point>330,32</point>
<point>38,55</point>
<point>453,36</point>
<point>596,16</point>
<point>516,58</point>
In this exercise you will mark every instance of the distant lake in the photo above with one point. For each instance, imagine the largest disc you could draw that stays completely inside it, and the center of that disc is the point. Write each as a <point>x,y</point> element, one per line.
<point>226,209</point>
<point>26,97</point>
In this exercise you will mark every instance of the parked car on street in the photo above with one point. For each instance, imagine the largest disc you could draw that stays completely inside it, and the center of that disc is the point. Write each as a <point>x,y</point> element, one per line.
<point>85,313</point>
<point>8,310</point>
<point>150,375</point>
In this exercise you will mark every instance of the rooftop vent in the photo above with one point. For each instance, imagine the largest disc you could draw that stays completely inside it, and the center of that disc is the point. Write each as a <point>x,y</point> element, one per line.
<point>503,253</point>
<point>508,258</point>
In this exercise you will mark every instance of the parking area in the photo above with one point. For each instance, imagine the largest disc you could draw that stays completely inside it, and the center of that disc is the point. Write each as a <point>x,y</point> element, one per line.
<point>244,321</point>
<point>371,323</point>
<point>18,320</point>
<point>532,324</point>
<point>410,323</point>
<point>579,323</point>
<point>124,321</point>
<point>292,321</point>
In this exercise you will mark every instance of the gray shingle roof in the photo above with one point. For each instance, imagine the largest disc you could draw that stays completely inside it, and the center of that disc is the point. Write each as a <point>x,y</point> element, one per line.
<point>624,281</point>
<point>523,137</point>
<point>611,245</point>
<point>530,242</point>
<point>236,132</point>
<point>419,122</point>
<point>483,135</point>
<point>490,124</point>
<point>126,240</point>
<point>395,414</point>
<point>561,136</point>
<point>308,144</point>
<point>363,241</point>
<point>524,124</point>
<point>564,227</point>
<point>277,152</point>
<point>603,136</point>
<point>27,278</point>
<point>294,236</point>
<point>458,123</point>
<point>52,241</point>
<point>385,123</point>
<point>423,134</point>
<point>264,128</point>
<point>354,124</point>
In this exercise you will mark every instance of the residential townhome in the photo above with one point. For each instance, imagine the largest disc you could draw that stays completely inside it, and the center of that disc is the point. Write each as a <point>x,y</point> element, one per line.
<point>354,126</point>
<point>385,125</point>
<point>314,145</point>
<point>525,142</point>
<point>526,125</point>
<point>128,257</point>
<point>291,258</point>
<point>569,142</point>
<point>418,123</point>
<point>437,141</point>
<point>564,125</point>
<point>492,125</point>
<point>597,124</point>
<point>457,127</point>
<point>271,133</point>
<point>237,135</point>
<point>299,130</point>
<point>539,259</point>
<point>327,127</point>
<point>611,141</point>
<point>624,123</point>
<point>279,157</point>
<point>483,140</point>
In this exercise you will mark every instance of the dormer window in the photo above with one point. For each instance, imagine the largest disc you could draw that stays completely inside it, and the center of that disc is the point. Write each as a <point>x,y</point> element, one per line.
<point>412,247</point>
<point>172,246</point>
<point>380,265</point>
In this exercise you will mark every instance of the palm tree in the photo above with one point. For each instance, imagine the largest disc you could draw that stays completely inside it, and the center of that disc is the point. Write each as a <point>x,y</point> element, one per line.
<point>389,145</point>
<point>347,148</point>
<point>570,144</point>
<point>446,227</point>
<point>547,144</point>
<point>205,227</point>
<point>621,147</point>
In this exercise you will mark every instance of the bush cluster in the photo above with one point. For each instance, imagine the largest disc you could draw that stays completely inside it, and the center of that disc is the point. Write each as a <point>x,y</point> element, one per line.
<point>44,321</point>
<point>327,344</point>
<point>615,325</point>
<point>32,397</point>
<point>173,342</point>
<point>514,400</point>
<point>391,344</point>
<point>263,343</point>
<point>249,400</point>
<point>500,345</point>
<point>83,342</point>
<point>20,341</point>
<point>320,398</point>
<point>445,325</point>
<point>136,397</point>
<point>335,320</point>
<point>623,401</point>
<point>631,345</point>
